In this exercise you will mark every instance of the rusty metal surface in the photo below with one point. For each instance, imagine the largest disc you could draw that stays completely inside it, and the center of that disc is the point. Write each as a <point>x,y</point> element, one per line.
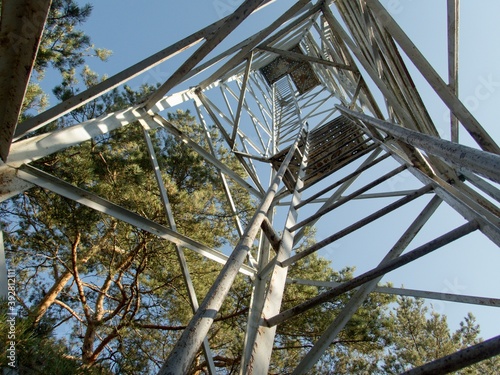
<point>21,28</point>
<point>333,146</point>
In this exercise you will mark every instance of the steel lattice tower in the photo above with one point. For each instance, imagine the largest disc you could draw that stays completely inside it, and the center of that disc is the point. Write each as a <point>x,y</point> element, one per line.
<point>318,100</point>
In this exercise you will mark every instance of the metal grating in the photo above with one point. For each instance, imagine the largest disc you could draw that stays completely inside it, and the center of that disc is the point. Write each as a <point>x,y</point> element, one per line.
<point>301,72</point>
<point>332,146</point>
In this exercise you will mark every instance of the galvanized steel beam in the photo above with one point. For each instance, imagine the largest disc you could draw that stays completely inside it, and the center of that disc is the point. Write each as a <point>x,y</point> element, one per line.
<point>37,147</point>
<point>376,272</point>
<point>361,223</point>
<point>349,197</point>
<point>459,360</point>
<point>205,154</point>
<point>103,87</point>
<point>464,202</point>
<point>453,8</point>
<point>236,123</point>
<point>483,139</point>
<point>183,353</point>
<point>425,294</point>
<point>58,186</point>
<point>263,339</point>
<point>259,37</point>
<point>484,163</point>
<point>193,300</point>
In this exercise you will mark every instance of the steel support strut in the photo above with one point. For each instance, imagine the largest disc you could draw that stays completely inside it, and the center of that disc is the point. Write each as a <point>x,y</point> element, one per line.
<point>460,359</point>
<point>21,28</point>
<point>447,95</point>
<point>362,293</point>
<point>187,346</point>
<point>262,347</point>
<point>193,300</point>
<point>484,163</point>
<point>453,26</point>
<point>381,270</point>
<point>211,41</point>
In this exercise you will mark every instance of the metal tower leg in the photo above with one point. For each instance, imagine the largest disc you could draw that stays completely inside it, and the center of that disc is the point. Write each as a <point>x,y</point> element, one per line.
<point>261,348</point>
<point>308,64</point>
<point>186,348</point>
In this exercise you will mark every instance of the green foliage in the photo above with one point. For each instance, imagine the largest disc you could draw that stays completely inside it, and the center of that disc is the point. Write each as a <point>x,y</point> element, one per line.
<point>113,283</point>
<point>417,336</point>
<point>37,351</point>
<point>416,339</point>
<point>63,45</point>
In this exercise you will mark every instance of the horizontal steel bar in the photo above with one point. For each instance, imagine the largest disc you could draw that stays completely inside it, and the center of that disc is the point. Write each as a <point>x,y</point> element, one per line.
<point>93,92</point>
<point>179,135</point>
<point>387,194</point>
<point>449,297</point>
<point>461,201</point>
<point>56,185</point>
<point>439,296</point>
<point>349,197</point>
<point>211,41</point>
<point>375,272</point>
<point>39,146</point>
<point>361,223</point>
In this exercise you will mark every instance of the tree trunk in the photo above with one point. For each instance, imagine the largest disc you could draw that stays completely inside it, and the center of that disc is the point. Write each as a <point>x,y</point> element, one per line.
<point>50,297</point>
<point>88,345</point>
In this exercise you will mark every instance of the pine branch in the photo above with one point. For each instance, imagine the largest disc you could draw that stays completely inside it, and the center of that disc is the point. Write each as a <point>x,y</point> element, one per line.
<point>76,276</point>
<point>69,309</point>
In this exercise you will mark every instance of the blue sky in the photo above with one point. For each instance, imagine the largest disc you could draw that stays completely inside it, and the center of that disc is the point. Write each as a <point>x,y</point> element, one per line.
<point>135,29</point>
